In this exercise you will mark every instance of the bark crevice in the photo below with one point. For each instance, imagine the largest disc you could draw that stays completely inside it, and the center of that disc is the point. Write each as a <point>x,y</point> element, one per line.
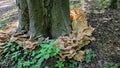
<point>49,18</point>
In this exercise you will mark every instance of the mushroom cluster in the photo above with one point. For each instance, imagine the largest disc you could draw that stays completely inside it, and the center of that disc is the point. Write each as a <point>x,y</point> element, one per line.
<point>81,35</point>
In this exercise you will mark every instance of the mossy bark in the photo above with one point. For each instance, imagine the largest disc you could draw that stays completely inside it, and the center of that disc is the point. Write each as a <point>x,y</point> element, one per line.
<point>49,18</point>
<point>60,18</point>
<point>23,15</point>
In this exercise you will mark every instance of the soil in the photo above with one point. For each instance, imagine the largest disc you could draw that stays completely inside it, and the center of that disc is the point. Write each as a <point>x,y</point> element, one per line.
<point>8,13</point>
<point>107,34</point>
<point>6,6</point>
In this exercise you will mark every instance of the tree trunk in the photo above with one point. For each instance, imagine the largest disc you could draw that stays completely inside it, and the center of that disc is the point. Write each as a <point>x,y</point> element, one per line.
<point>49,18</point>
<point>23,15</point>
<point>113,4</point>
<point>60,18</point>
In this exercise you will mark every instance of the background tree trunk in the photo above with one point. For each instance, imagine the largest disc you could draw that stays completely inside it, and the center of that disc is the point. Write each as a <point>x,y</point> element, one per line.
<point>49,17</point>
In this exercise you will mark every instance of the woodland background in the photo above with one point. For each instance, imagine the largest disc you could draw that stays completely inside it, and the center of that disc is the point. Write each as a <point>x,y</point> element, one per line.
<point>103,52</point>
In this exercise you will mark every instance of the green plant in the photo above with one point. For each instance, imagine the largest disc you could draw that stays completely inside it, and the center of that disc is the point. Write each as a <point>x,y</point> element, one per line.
<point>10,54</point>
<point>74,4</point>
<point>89,55</point>
<point>46,67</point>
<point>107,66</point>
<point>60,64</point>
<point>118,33</point>
<point>104,4</point>
<point>47,51</point>
<point>117,65</point>
<point>16,57</point>
<point>70,63</point>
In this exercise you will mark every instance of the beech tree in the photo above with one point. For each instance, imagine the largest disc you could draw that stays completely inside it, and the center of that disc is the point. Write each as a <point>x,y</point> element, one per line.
<point>49,18</point>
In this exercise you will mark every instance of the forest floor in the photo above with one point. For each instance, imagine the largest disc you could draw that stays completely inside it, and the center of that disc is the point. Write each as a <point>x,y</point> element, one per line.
<point>8,13</point>
<point>107,33</point>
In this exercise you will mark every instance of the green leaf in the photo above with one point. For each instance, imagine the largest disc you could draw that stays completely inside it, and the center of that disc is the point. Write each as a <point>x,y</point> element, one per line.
<point>46,67</point>
<point>117,65</point>
<point>90,55</point>
<point>19,64</point>
<point>46,56</point>
<point>33,61</point>
<point>33,53</point>
<point>40,62</point>
<point>107,66</point>
<point>59,64</point>
<point>6,49</point>
<point>26,53</point>
<point>33,66</point>
<point>26,63</point>
<point>12,49</point>
<point>37,56</point>
<point>9,43</point>
<point>17,47</point>
<point>72,64</point>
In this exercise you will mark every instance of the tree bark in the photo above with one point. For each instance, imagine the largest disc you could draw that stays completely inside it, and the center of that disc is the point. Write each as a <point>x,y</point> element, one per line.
<point>23,15</point>
<point>60,18</point>
<point>49,18</point>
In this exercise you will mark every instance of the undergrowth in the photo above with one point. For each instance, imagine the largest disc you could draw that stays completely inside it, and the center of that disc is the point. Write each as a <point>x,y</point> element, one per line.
<point>70,63</point>
<point>104,4</point>
<point>16,56</point>
<point>117,65</point>
<point>89,55</point>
